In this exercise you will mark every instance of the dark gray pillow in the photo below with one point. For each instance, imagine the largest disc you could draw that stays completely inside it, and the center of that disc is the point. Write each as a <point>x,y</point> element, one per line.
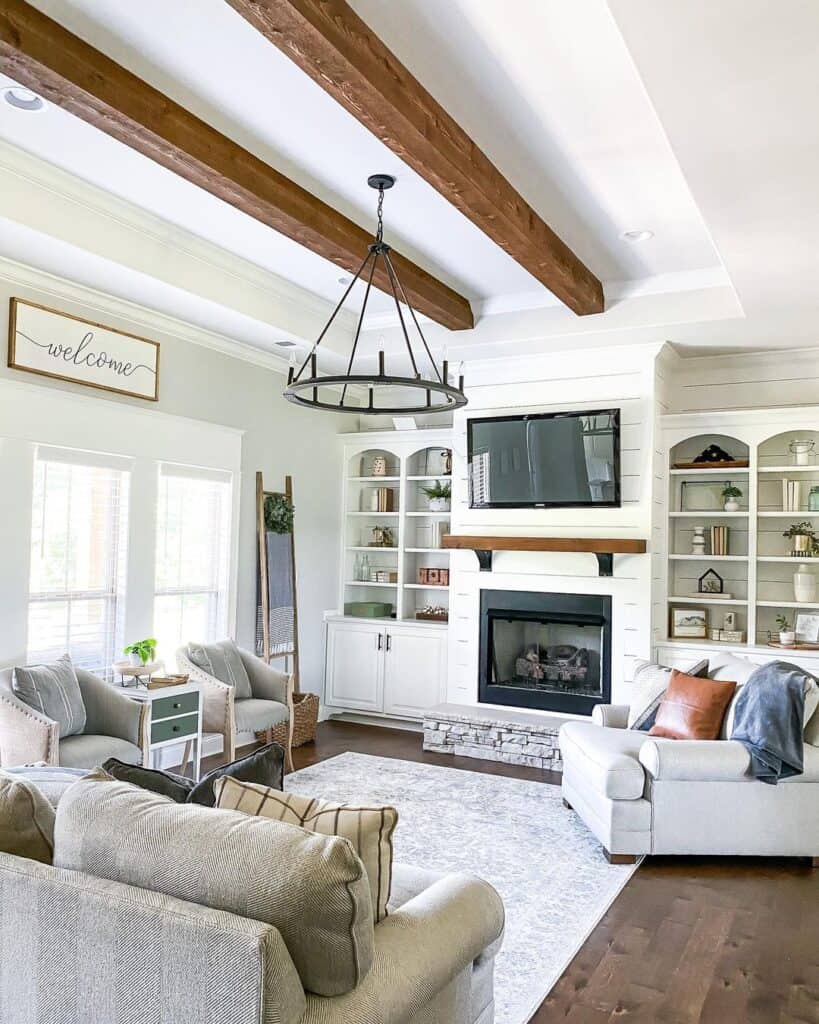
<point>264,766</point>
<point>224,662</point>
<point>54,691</point>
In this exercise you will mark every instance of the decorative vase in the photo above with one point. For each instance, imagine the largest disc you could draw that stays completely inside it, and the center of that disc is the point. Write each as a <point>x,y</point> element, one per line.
<point>731,505</point>
<point>813,500</point>
<point>787,639</point>
<point>801,544</point>
<point>134,660</point>
<point>379,467</point>
<point>804,584</point>
<point>439,504</point>
<point>801,450</point>
<point>698,541</point>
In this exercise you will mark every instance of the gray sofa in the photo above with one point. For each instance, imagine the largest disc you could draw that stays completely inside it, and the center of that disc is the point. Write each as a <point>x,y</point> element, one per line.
<point>106,951</point>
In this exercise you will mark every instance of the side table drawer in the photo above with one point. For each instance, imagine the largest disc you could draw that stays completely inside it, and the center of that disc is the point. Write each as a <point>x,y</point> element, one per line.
<point>172,707</point>
<point>174,728</point>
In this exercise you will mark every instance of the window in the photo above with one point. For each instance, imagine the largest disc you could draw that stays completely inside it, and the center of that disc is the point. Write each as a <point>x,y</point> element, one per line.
<point>79,542</point>
<point>192,557</point>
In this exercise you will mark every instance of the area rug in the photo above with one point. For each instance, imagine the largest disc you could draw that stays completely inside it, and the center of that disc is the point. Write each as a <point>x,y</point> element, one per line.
<point>546,865</point>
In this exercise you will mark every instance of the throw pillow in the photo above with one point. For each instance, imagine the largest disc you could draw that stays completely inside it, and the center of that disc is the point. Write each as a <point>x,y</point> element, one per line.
<point>264,766</point>
<point>51,780</point>
<point>224,662</point>
<point>369,829</point>
<point>693,708</point>
<point>312,888</point>
<point>54,691</point>
<point>649,683</point>
<point>26,819</point>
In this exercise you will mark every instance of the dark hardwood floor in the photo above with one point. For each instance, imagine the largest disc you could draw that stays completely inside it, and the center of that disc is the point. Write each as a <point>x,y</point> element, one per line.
<point>688,941</point>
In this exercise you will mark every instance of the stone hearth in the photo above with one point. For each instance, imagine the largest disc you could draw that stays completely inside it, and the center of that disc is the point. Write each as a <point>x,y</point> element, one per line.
<point>513,737</point>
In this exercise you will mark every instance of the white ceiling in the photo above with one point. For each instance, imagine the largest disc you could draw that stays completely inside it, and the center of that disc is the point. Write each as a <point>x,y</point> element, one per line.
<point>692,120</point>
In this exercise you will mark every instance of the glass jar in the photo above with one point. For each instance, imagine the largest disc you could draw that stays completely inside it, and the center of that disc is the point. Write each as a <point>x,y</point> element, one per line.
<point>813,500</point>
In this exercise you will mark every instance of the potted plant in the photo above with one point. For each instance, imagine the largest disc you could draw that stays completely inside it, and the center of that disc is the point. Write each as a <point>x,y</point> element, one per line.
<point>141,652</point>
<point>787,636</point>
<point>439,496</point>
<point>730,494</point>
<point>803,539</point>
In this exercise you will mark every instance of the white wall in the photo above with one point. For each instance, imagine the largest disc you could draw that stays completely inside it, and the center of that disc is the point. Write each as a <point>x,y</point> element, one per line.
<point>200,382</point>
<point>623,378</point>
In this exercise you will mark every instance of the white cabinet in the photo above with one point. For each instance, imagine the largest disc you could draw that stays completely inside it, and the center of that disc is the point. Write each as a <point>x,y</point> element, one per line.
<point>384,667</point>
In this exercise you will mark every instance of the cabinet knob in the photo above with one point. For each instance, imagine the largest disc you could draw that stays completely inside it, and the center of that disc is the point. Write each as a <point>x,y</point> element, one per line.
<point>389,642</point>
<point>380,641</point>
<point>176,728</point>
<point>177,705</point>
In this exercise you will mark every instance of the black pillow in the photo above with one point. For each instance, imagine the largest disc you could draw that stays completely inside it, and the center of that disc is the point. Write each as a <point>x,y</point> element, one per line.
<point>264,766</point>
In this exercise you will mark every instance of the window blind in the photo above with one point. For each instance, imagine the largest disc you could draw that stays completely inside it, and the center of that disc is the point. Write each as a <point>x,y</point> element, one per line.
<point>79,547</point>
<point>192,557</point>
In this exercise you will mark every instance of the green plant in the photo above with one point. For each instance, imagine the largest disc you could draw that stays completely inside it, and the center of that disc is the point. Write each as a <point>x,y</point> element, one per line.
<point>783,623</point>
<point>278,513</point>
<point>730,491</point>
<point>438,490</point>
<point>145,649</point>
<point>803,529</point>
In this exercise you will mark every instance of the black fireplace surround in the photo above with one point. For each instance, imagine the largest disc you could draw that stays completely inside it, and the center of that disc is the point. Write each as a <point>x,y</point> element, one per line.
<point>545,651</point>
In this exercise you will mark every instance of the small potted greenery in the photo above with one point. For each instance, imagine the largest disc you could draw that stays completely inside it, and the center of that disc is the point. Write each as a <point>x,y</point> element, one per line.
<point>141,652</point>
<point>787,636</point>
<point>439,496</point>
<point>803,539</point>
<point>730,494</point>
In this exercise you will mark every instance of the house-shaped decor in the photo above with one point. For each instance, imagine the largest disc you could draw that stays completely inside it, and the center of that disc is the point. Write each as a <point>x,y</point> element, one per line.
<point>710,583</point>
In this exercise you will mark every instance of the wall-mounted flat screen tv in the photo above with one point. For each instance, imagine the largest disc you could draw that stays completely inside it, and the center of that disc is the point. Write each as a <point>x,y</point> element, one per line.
<point>547,460</point>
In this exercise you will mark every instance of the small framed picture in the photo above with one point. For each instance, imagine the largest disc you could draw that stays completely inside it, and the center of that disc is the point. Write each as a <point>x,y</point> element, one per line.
<point>689,623</point>
<point>807,628</point>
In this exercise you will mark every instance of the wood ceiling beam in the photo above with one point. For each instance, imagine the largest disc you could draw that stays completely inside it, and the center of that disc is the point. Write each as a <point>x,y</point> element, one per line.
<point>43,56</point>
<point>328,40</point>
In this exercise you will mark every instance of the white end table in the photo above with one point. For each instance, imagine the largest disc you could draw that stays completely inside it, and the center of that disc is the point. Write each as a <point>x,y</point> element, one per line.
<point>173,714</point>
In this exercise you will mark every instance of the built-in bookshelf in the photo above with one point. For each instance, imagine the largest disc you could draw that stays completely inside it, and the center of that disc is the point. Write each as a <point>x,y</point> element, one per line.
<point>399,465</point>
<point>756,567</point>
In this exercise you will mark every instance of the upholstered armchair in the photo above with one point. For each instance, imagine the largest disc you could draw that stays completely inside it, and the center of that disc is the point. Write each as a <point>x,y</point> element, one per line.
<point>113,728</point>
<point>271,703</point>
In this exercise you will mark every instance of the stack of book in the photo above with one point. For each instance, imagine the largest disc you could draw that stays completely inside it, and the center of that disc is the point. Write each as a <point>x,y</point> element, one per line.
<point>719,540</point>
<point>791,496</point>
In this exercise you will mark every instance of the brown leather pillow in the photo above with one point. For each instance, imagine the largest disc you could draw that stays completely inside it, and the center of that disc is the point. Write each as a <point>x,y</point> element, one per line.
<point>693,708</point>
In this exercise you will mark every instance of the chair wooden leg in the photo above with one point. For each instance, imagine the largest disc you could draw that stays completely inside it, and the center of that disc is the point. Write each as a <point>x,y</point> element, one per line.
<point>567,805</point>
<point>814,862</point>
<point>619,858</point>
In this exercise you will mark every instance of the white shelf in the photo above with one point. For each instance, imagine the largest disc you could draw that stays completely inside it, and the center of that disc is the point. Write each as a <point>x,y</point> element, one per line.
<point>433,476</point>
<point>789,515</point>
<point>425,586</point>
<point>787,604</point>
<point>709,558</point>
<point>370,547</point>
<point>789,469</point>
<point>366,583</point>
<point>706,515</point>
<point>447,514</point>
<point>372,479</point>
<point>428,551</point>
<point>719,474</point>
<point>705,599</point>
<point>378,515</point>
<point>785,559</point>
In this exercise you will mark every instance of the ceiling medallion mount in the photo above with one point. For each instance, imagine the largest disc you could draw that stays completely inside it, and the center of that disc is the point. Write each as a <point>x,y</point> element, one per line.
<point>304,384</point>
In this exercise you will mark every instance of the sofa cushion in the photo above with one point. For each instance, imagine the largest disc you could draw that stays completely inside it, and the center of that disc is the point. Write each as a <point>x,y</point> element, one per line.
<point>90,751</point>
<point>257,715</point>
<point>649,683</point>
<point>54,691</point>
<point>312,888</point>
<point>692,708</point>
<point>607,758</point>
<point>224,662</point>
<point>369,829</point>
<point>26,819</point>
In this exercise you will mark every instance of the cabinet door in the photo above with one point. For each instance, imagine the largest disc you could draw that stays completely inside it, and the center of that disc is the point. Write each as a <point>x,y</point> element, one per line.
<point>354,665</point>
<point>414,670</point>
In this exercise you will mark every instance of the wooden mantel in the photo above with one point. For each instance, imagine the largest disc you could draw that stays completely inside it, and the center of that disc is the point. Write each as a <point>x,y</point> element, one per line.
<point>605,548</point>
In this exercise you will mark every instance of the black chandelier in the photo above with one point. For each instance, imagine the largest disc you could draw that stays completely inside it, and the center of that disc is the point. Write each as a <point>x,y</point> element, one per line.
<point>303,384</point>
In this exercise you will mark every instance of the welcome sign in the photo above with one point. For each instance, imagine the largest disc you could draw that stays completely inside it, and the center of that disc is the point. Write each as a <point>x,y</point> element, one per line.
<point>66,347</point>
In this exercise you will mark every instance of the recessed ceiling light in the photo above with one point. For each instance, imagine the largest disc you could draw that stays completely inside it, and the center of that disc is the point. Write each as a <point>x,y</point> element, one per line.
<point>285,344</point>
<point>637,236</point>
<point>23,99</point>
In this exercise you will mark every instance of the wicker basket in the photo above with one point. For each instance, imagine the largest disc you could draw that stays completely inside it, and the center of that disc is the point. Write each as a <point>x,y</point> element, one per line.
<point>305,719</point>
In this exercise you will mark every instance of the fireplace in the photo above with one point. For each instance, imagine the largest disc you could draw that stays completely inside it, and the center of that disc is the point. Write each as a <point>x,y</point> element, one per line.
<point>547,651</point>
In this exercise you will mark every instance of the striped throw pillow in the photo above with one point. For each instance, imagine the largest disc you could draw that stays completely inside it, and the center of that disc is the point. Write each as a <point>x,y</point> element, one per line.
<point>369,829</point>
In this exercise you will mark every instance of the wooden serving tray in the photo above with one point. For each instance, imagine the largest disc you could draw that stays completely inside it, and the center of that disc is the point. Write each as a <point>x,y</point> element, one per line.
<point>792,647</point>
<point>160,682</point>
<point>733,464</point>
<point>432,618</point>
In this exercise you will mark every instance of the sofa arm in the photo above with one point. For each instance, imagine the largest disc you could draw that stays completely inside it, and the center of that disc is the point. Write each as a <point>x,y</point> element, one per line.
<point>218,703</point>
<point>202,964</point>
<point>612,716</point>
<point>108,711</point>
<point>266,682</point>
<point>694,760</point>
<point>419,949</point>
<point>26,735</point>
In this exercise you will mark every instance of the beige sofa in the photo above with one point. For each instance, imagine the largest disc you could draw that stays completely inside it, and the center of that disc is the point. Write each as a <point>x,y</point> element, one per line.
<point>164,913</point>
<point>640,794</point>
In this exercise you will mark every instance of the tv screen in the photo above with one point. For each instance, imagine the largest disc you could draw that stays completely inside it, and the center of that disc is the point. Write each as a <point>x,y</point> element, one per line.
<point>549,460</point>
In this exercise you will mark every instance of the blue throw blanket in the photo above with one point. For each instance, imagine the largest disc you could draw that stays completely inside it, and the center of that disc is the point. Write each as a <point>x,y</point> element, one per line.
<point>769,719</point>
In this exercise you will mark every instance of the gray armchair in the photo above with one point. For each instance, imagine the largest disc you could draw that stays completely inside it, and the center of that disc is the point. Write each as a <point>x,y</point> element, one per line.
<point>113,728</point>
<point>270,705</point>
